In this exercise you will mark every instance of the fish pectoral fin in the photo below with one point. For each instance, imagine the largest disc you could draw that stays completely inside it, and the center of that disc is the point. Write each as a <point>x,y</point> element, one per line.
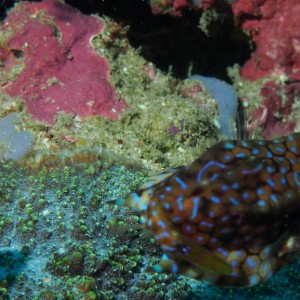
<point>291,246</point>
<point>205,259</point>
<point>196,262</point>
<point>170,266</point>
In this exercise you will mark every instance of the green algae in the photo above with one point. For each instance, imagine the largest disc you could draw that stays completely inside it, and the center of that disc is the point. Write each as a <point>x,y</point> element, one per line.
<point>250,93</point>
<point>11,73</point>
<point>154,105</point>
<point>207,20</point>
<point>142,131</point>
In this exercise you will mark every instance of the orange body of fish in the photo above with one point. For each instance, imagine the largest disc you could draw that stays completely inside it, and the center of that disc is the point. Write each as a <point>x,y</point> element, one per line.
<point>231,217</point>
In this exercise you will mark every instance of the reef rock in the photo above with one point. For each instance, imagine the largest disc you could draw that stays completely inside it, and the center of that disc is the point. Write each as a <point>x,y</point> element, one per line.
<point>274,28</point>
<point>46,48</point>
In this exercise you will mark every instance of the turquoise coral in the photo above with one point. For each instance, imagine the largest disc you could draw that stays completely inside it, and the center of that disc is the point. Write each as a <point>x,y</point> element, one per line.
<point>63,218</point>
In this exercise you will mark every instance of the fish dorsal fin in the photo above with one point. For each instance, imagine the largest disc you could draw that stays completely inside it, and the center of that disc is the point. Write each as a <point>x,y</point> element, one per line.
<point>153,180</point>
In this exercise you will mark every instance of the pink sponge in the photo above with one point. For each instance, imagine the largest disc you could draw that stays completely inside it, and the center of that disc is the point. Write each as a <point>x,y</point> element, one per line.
<point>62,73</point>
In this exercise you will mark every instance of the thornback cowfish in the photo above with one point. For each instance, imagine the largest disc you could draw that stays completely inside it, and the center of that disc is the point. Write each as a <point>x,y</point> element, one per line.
<point>231,217</point>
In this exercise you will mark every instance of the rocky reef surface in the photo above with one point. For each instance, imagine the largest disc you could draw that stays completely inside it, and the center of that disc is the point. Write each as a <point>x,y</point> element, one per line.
<point>100,117</point>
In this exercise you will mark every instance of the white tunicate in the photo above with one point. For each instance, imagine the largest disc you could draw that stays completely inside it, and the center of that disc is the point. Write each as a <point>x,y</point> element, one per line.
<point>13,144</point>
<point>227,101</point>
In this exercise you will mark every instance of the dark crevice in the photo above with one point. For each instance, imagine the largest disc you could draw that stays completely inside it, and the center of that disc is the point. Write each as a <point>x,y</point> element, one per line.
<point>178,42</point>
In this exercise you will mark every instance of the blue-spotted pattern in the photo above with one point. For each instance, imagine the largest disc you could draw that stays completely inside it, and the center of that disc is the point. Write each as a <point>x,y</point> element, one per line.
<point>232,216</point>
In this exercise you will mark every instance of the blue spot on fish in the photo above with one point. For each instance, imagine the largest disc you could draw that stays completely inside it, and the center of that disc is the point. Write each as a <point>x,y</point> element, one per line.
<point>162,235</point>
<point>261,203</point>
<point>234,201</point>
<point>206,166</point>
<point>260,191</point>
<point>215,199</point>
<point>229,146</point>
<point>179,203</point>
<point>182,184</point>
<point>296,178</point>
<point>161,224</point>
<point>168,189</point>
<point>293,149</point>
<point>280,149</point>
<point>271,183</point>
<point>196,201</point>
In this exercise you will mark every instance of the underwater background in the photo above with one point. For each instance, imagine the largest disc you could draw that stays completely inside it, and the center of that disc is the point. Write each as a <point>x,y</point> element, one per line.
<point>97,97</point>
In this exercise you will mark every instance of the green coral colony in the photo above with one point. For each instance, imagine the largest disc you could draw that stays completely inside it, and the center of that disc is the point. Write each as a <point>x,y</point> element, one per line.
<point>54,210</point>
